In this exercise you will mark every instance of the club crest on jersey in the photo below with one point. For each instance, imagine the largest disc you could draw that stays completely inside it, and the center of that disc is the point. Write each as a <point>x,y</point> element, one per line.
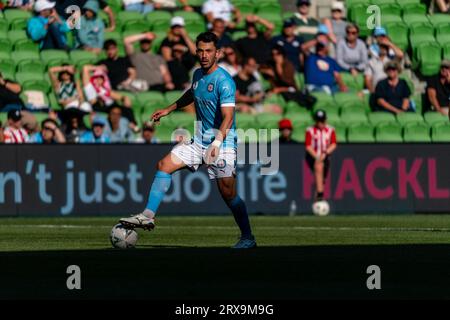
<point>210,87</point>
<point>195,85</point>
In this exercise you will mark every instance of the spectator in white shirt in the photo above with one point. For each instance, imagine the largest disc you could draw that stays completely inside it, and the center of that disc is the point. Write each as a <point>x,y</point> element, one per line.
<point>221,9</point>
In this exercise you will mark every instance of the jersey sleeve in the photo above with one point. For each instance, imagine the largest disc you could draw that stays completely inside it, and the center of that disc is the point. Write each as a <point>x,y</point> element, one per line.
<point>333,139</point>
<point>227,93</point>
<point>308,138</point>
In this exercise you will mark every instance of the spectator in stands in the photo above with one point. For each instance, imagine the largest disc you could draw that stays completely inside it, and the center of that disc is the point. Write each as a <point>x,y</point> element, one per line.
<point>179,68</point>
<point>148,134</point>
<point>351,52</point>
<point>14,132</point>
<point>63,5</point>
<point>219,29</point>
<point>223,9</point>
<point>375,68</point>
<point>90,36</point>
<point>231,60</point>
<point>117,128</point>
<point>380,37</point>
<point>336,24</point>
<point>21,4</point>
<point>2,137</point>
<point>171,5</point>
<point>249,90</point>
<point>9,95</point>
<point>322,36</point>
<point>49,134</point>
<point>438,89</point>
<point>100,95</point>
<point>286,129</point>
<point>141,6</point>
<point>291,43</point>
<point>306,25</point>
<point>322,71</point>
<point>97,134</point>
<point>150,67</point>
<point>256,44</point>
<point>73,128</point>
<point>120,71</point>
<point>440,6</point>
<point>393,94</point>
<point>320,143</point>
<point>46,27</point>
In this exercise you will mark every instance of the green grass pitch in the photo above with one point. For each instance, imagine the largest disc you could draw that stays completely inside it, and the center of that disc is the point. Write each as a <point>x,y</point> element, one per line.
<point>189,257</point>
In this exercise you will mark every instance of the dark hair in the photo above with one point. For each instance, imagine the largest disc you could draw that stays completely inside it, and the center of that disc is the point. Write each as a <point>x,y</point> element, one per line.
<point>65,71</point>
<point>108,43</point>
<point>47,121</point>
<point>207,37</point>
<point>352,26</point>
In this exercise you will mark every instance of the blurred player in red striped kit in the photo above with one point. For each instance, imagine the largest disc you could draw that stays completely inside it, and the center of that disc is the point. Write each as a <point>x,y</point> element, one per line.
<point>320,143</point>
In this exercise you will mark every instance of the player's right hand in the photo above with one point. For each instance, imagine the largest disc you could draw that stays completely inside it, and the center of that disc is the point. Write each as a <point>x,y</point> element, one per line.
<point>158,114</point>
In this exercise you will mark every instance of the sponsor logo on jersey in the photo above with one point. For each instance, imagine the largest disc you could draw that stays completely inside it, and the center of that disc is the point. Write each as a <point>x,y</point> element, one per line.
<point>210,87</point>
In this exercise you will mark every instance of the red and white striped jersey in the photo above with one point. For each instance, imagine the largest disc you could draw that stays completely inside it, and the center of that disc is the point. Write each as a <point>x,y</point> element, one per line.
<point>15,135</point>
<point>319,139</point>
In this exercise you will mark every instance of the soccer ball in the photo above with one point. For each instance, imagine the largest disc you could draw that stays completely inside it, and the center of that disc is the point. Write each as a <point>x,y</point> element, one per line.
<point>321,208</point>
<point>123,238</point>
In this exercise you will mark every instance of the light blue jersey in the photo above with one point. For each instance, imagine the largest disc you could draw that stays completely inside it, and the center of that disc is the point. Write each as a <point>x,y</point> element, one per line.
<point>211,93</point>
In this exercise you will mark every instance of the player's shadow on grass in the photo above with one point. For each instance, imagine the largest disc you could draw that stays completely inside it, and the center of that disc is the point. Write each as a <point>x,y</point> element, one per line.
<point>309,272</point>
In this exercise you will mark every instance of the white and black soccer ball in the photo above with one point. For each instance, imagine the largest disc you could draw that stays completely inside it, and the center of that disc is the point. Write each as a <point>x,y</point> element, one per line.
<point>123,238</point>
<point>321,208</point>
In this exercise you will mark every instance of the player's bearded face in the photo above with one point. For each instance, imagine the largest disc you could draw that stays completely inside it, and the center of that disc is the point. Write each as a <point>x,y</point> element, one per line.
<point>207,54</point>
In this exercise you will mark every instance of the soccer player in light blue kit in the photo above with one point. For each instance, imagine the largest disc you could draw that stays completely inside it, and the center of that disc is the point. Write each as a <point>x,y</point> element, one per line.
<point>215,141</point>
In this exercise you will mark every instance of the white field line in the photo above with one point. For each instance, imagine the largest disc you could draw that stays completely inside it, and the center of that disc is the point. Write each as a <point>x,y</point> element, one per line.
<point>395,229</point>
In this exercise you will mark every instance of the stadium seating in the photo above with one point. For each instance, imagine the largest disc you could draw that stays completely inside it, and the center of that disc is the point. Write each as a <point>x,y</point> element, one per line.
<point>362,132</point>
<point>388,132</point>
<point>416,132</point>
<point>441,132</point>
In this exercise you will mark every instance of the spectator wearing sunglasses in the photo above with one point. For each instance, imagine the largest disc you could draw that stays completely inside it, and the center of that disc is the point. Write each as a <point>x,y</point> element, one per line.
<point>49,134</point>
<point>336,23</point>
<point>351,52</point>
<point>438,89</point>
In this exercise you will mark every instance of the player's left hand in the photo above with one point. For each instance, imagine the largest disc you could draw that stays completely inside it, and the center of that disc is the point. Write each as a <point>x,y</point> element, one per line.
<point>212,153</point>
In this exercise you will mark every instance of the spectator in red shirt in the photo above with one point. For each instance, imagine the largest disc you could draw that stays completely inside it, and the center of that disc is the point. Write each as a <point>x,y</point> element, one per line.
<point>320,143</point>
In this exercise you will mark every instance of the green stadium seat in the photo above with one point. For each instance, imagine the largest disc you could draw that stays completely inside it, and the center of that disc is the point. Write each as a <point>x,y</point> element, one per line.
<point>126,16</point>
<point>389,19</point>
<point>440,18</point>
<point>164,133</point>
<point>406,2</point>
<point>441,132</point>
<point>300,119</point>
<point>172,96</point>
<point>421,28</point>
<point>6,46</point>
<point>430,59</point>
<point>323,100</point>
<point>375,118</point>
<point>54,57</point>
<point>416,132</point>
<point>294,107</point>
<point>7,66</point>
<point>442,34</point>
<point>4,25</point>
<point>298,134</point>
<point>355,83</point>
<point>417,42</point>
<point>433,117</point>
<point>275,99</point>
<point>151,98</point>
<point>31,66</point>
<point>136,26</point>
<point>398,32</point>
<point>26,45</point>
<point>17,35</point>
<point>246,7</point>
<point>18,24</point>
<point>408,81</point>
<point>382,2</point>
<point>353,115</point>
<point>115,5</point>
<point>388,132</point>
<point>409,117</point>
<point>333,118</point>
<point>246,121</point>
<point>80,55</point>
<point>347,99</point>
<point>53,101</point>
<point>238,35</point>
<point>267,7</point>
<point>274,17</point>
<point>415,18</point>
<point>114,35</point>
<point>341,132</point>
<point>5,55</point>
<point>13,14</point>
<point>414,8</point>
<point>268,120</point>
<point>390,9</point>
<point>446,51</point>
<point>135,104</point>
<point>37,85</point>
<point>360,133</point>
<point>24,55</point>
<point>181,119</point>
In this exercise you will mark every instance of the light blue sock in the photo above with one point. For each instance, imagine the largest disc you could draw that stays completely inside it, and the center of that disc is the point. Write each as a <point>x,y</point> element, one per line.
<point>160,186</point>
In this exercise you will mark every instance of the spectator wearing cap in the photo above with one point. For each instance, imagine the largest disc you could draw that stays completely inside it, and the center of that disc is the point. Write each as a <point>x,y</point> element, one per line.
<point>322,73</point>
<point>90,36</point>
<point>374,72</point>
<point>14,132</point>
<point>46,27</point>
<point>49,134</point>
<point>120,71</point>
<point>306,25</point>
<point>20,4</point>
<point>178,39</point>
<point>438,89</point>
<point>9,95</point>
<point>291,43</point>
<point>141,6</point>
<point>393,94</point>
<point>286,129</point>
<point>256,44</point>
<point>336,24</point>
<point>148,134</point>
<point>380,37</point>
<point>222,9</point>
<point>322,37</point>
<point>97,134</point>
<point>150,67</point>
<point>220,30</point>
<point>320,143</point>
<point>351,52</point>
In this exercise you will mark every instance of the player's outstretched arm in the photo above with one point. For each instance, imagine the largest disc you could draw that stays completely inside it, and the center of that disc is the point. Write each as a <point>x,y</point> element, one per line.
<point>186,99</point>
